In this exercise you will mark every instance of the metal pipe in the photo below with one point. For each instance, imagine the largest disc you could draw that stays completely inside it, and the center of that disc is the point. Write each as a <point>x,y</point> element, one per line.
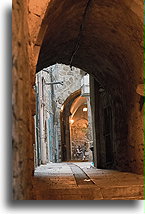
<point>53,83</point>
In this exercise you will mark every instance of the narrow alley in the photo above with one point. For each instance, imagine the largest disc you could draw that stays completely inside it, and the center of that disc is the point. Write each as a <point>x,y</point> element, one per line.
<point>78,100</point>
<point>82,181</point>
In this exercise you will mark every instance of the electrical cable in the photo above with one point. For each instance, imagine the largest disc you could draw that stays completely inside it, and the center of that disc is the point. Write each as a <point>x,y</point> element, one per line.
<point>76,48</point>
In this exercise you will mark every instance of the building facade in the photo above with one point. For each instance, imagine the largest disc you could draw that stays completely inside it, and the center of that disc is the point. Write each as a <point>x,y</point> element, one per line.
<point>53,86</point>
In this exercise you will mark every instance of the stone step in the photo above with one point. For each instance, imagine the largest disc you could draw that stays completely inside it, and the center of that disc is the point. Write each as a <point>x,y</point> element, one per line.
<point>81,193</point>
<point>122,191</point>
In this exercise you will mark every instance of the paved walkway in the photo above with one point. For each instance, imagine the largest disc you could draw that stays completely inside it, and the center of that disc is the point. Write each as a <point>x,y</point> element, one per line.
<point>80,181</point>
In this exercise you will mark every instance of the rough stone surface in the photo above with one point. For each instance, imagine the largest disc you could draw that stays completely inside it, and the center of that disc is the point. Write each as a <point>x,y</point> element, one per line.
<point>59,182</point>
<point>71,82</point>
<point>50,101</point>
<point>22,131</point>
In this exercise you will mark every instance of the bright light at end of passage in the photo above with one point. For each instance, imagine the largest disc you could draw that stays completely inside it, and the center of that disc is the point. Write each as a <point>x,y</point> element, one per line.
<point>85,109</point>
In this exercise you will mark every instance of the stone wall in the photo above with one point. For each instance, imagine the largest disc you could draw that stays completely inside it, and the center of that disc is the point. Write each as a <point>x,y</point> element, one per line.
<point>53,98</point>
<point>113,131</point>
<point>127,149</point>
<point>44,114</point>
<point>22,104</point>
<point>71,83</point>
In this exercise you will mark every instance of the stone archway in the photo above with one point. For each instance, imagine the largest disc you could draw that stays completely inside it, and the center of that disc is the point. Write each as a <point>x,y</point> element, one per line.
<point>81,35</point>
<point>65,126</point>
<point>110,49</point>
<point>77,132</point>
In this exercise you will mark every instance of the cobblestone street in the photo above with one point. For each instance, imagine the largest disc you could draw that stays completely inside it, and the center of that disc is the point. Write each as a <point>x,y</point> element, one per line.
<point>80,181</point>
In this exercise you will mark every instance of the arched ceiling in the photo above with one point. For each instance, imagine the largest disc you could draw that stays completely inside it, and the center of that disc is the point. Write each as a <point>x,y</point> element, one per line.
<point>111,43</point>
<point>79,101</point>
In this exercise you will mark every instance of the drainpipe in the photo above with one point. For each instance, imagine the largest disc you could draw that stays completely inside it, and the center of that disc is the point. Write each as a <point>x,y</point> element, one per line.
<point>42,140</point>
<point>53,118</point>
<point>37,122</point>
<point>53,106</point>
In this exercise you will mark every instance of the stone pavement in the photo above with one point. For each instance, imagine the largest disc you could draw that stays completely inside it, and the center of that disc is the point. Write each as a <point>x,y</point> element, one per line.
<point>80,181</point>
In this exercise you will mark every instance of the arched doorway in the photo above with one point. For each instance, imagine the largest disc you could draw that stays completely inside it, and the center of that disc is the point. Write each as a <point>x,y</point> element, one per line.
<point>76,129</point>
<point>65,126</point>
